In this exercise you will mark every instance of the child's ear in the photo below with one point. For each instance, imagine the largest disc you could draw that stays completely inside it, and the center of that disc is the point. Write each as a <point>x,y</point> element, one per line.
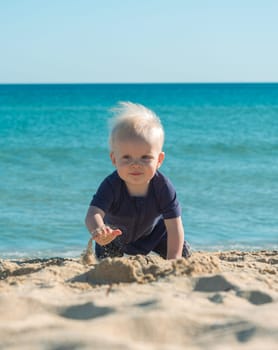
<point>161,157</point>
<point>112,157</point>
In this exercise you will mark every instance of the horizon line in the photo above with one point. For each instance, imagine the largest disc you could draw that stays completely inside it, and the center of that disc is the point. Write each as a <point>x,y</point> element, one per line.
<point>138,83</point>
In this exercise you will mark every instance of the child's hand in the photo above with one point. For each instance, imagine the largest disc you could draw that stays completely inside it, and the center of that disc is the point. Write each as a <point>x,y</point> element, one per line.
<point>105,235</point>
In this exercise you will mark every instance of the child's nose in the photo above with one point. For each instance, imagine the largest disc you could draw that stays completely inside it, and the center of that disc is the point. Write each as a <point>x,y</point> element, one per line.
<point>136,162</point>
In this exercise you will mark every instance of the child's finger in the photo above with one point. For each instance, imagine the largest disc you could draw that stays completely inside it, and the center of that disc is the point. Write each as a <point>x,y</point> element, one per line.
<point>117,232</point>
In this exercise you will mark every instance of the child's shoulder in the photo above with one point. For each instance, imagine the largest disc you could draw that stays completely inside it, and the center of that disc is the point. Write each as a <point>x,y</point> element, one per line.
<point>160,180</point>
<point>113,178</point>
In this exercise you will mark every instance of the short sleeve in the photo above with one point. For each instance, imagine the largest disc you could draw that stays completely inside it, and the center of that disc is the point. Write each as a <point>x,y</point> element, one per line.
<point>104,196</point>
<point>167,197</point>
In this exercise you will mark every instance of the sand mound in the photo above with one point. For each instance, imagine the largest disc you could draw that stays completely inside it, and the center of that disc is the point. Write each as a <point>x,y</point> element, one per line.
<point>143,269</point>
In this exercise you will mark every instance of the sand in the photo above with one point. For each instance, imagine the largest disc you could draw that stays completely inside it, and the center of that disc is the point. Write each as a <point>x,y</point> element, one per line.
<point>225,300</point>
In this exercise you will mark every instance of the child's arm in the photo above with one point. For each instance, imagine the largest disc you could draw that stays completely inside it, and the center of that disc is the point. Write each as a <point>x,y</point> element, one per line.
<point>101,233</point>
<point>175,235</point>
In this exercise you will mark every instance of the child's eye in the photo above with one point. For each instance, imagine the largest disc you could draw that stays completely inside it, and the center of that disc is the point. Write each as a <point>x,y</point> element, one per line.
<point>126,159</point>
<point>147,158</point>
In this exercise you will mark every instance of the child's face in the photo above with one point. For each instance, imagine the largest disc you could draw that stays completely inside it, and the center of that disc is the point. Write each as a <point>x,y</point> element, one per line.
<point>136,162</point>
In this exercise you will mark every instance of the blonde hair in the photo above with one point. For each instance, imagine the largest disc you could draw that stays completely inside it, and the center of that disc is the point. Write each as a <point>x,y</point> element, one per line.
<point>135,121</point>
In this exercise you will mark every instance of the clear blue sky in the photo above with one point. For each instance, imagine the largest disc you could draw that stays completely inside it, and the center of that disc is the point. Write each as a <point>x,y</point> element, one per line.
<point>138,41</point>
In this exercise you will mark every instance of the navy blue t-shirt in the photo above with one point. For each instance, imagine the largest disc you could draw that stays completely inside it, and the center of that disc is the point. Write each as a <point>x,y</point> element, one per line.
<point>136,216</point>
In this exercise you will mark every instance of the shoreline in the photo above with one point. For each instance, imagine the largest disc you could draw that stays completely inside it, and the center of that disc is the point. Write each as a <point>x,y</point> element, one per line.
<point>213,300</point>
<point>76,253</point>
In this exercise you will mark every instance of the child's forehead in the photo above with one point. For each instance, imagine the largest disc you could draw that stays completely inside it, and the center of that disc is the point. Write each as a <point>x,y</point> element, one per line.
<point>135,144</point>
<point>132,142</point>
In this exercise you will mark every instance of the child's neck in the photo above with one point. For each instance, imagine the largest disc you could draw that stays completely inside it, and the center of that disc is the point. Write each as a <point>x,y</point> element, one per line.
<point>137,191</point>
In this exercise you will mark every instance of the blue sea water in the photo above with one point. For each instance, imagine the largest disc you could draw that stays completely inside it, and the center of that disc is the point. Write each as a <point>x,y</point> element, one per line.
<point>221,154</point>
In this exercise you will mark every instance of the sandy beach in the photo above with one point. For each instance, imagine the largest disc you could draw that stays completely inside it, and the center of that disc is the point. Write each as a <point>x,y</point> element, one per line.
<point>221,300</point>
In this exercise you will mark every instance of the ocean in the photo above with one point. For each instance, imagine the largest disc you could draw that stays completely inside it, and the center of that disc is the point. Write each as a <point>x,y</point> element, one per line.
<point>221,154</point>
